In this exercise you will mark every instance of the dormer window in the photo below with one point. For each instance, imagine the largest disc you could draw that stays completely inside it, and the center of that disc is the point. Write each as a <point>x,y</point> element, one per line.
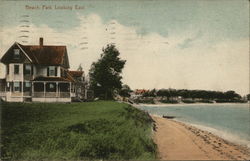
<point>52,71</point>
<point>16,53</point>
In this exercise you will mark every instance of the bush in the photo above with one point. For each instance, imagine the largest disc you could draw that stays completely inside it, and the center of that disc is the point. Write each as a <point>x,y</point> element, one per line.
<point>205,101</point>
<point>145,100</point>
<point>188,101</point>
<point>229,101</point>
<point>169,101</point>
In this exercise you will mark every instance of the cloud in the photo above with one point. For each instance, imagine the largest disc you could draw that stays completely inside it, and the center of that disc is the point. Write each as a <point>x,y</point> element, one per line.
<point>153,61</point>
<point>189,41</point>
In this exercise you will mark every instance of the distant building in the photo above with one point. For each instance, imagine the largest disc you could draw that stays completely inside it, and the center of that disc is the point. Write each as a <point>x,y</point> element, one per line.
<point>138,93</point>
<point>79,84</point>
<point>39,73</point>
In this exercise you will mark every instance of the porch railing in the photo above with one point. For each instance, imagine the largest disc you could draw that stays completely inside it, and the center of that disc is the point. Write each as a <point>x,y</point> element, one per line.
<point>52,94</point>
<point>2,93</point>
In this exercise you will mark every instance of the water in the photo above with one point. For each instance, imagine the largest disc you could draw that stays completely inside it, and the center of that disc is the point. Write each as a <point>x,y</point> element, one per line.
<point>229,121</point>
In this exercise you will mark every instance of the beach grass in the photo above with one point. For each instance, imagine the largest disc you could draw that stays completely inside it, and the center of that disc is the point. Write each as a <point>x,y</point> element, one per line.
<point>76,131</point>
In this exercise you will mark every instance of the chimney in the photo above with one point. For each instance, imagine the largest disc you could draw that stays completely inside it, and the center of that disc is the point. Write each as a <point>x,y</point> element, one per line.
<point>41,41</point>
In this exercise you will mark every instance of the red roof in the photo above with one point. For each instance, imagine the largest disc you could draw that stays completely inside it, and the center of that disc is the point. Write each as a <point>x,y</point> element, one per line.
<point>41,54</point>
<point>46,55</point>
<point>76,73</point>
<point>141,91</point>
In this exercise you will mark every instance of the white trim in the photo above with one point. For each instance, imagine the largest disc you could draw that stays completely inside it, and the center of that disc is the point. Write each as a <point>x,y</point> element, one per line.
<point>50,81</point>
<point>24,52</point>
<point>44,89</point>
<point>22,87</point>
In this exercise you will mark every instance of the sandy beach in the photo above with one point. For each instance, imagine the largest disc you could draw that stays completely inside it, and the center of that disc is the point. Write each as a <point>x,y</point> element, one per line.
<point>178,141</point>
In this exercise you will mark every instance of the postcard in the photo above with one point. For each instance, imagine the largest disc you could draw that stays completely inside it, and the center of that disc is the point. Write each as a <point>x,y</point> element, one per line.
<point>122,80</point>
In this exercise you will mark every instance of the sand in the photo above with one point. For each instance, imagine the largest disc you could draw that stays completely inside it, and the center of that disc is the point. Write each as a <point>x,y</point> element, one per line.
<point>178,141</point>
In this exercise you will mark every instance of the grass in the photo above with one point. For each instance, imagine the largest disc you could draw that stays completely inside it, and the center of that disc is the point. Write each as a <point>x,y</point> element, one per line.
<point>77,131</point>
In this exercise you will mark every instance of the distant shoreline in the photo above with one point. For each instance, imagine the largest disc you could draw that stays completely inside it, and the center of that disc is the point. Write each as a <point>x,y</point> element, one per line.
<point>186,104</point>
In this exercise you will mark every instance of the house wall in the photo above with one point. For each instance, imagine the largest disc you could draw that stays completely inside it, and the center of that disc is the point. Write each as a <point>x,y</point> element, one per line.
<point>15,77</point>
<point>11,98</point>
<point>59,71</point>
<point>40,71</point>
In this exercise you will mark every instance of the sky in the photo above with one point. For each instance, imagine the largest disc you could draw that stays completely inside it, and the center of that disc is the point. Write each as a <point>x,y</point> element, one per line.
<point>182,44</point>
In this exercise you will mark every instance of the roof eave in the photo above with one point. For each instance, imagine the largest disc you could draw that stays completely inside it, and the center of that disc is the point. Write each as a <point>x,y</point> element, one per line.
<point>24,52</point>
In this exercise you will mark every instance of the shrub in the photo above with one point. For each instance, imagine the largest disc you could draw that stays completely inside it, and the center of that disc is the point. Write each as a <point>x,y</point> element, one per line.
<point>169,101</point>
<point>188,101</point>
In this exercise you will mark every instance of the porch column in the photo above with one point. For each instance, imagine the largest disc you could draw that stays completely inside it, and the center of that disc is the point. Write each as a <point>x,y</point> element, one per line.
<point>56,89</point>
<point>32,89</point>
<point>70,89</point>
<point>44,89</point>
<point>22,88</point>
<point>59,91</point>
<point>11,87</point>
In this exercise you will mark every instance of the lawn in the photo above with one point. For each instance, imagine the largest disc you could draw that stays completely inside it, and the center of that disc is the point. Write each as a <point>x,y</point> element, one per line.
<point>75,131</point>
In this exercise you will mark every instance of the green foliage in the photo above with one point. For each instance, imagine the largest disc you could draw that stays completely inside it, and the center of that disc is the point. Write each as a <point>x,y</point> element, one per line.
<point>78,131</point>
<point>201,94</point>
<point>188,101</point>
<point>150,93</point>
<point>169,101</point>
<point>248,97</point>
<point>105,75</point>
<point>125,91</point>
<point>205,101</point>
<point>145,100</point>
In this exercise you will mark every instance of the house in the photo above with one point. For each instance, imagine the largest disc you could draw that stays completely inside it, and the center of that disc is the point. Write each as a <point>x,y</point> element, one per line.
<point>78,76</point>
<point>39,73</point>
<point>138,93</point>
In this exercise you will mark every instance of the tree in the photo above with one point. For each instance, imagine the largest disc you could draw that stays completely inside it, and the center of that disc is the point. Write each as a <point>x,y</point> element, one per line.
<point>248,97</point>
<point>79,67</point>
<point>150,93</point>
<point>232,95</point>
<point>125,91</point>
<point>105,75</point>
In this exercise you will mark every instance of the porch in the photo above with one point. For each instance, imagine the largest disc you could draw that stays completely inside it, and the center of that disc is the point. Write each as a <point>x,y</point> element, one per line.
<point>39,91</point>
<point>51,89</point>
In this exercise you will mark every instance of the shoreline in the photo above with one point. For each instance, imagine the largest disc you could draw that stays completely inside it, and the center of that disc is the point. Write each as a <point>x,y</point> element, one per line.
<point>171,136</point>
<point>187,104</point>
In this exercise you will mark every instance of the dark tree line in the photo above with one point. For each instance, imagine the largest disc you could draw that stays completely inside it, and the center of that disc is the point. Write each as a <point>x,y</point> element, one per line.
<point>184,93</point>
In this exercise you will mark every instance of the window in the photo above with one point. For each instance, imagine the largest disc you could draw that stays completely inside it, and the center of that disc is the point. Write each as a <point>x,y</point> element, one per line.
<point>27,84</point>
<point>17,86</point>
<point>63,73</point>
<point>8,86</point>
<point>52,71</point>
<point>16,69</point>
<point>27,69</point>
<point>51,86</point>
<point>16,53</point>
<point>7,69</point>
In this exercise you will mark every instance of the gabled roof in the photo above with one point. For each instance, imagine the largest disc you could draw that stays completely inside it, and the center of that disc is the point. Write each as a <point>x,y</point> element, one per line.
<point>43,54</point>
<point>141,91</point>
<point>76,73</point>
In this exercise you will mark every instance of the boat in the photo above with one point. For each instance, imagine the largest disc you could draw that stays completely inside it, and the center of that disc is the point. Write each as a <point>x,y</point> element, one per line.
<point>168,117</point>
